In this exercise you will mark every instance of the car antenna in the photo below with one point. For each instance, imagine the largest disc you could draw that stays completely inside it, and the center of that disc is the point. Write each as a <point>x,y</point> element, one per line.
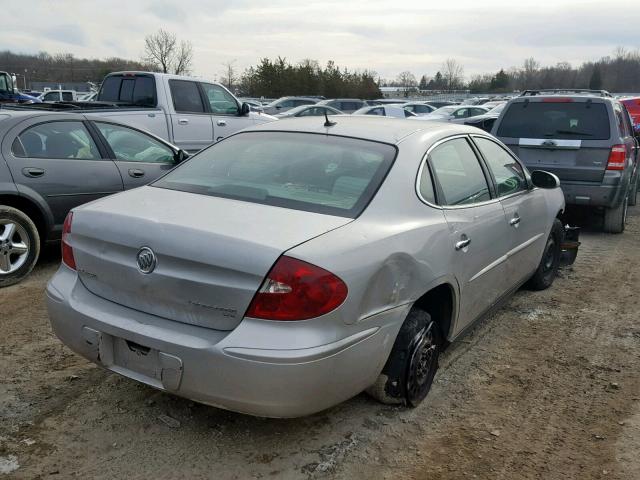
<point>327,122</point>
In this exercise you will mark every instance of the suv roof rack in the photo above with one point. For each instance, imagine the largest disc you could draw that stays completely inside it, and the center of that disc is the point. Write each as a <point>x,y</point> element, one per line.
<point>565,91</point>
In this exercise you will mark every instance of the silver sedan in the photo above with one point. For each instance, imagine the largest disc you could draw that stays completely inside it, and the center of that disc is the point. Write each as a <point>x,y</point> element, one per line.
<point>289,267</point>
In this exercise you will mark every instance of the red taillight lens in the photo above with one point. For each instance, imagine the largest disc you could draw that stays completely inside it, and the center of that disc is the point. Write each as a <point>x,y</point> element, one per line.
<point>67,251</point>
<point>617,158</point>
<point>297,290</point>
<point>557,100</point>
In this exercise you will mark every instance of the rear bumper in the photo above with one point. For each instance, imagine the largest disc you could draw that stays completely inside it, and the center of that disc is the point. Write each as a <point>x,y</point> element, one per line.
<point>231,370</point>
<point>607,194</point>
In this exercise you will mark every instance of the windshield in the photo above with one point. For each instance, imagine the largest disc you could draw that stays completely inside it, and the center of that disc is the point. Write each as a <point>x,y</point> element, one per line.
<point>316,173</point>
<point>498,108</point>
<point>444,110</point>
<point>560,120</point>
<point>295,110</point>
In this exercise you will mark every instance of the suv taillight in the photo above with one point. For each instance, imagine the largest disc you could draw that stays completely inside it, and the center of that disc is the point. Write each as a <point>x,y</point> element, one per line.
<point>617,158</point>
<point>297,290</point>
<point>67,251</point>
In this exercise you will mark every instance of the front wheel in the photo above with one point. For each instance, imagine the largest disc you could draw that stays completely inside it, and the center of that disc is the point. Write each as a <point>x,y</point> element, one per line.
<point>550,261</point>
<point>408,374</point>
<point>19,245</point>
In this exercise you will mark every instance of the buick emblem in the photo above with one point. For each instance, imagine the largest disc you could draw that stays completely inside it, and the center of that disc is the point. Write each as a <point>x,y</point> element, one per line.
<point>146,260</point>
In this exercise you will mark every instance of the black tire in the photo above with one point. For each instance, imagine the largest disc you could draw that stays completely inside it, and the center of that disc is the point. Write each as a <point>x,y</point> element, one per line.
<point>550,262</point>
<point>408,374</point>
<point>24,263</point>
<point>633,193</point>
<point>615,219</point>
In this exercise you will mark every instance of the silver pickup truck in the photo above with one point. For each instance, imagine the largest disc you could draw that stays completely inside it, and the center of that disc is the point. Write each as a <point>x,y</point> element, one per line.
<point>188,112</point>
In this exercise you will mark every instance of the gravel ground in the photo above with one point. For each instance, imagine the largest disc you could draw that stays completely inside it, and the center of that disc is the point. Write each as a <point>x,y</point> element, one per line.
<point>546,388</point>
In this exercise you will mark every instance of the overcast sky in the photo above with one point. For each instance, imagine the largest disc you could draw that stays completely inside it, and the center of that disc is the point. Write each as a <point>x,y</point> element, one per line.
<point>384,36</point>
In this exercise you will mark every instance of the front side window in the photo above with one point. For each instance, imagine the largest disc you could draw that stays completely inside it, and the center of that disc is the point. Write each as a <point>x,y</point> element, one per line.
<point>133,146</point>
<point>507,172</point>
<point>52,97</point>
<point>458,173</point>
<point>221,102</point>
<point>462,113</point>
<point>316,173</point>
<point>376,111</point>
<point>56,140</point>
<point>186,96</point>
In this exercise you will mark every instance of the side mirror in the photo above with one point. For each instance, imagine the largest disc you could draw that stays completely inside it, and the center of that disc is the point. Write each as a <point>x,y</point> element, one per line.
<point>278,107</point>
<point>542,179</point>
<point>180,156</point>
<point>244,109</point>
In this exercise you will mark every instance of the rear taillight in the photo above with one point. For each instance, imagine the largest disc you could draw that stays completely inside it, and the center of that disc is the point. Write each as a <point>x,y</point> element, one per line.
<point>67,251</point>
<point>297,290</point>
<point>617,158</point>
<point>557,100</point>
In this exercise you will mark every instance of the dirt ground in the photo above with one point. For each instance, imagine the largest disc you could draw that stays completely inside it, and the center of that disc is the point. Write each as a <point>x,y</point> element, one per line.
<point>547,388</point>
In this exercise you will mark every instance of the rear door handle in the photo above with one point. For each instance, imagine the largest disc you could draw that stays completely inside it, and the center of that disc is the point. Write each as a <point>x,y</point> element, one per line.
<point>221,123</point>
<point>515,221</point>
<point>183,121</point>
<point>32,172</point>
<point>463,243</point>
<point>136,173</point>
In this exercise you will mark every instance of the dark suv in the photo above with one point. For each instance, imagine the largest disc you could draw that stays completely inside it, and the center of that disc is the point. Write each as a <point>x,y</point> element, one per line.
<point>585,137</point>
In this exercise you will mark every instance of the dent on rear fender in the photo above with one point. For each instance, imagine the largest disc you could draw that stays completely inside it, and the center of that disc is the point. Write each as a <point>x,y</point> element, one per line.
<point>393,284</point>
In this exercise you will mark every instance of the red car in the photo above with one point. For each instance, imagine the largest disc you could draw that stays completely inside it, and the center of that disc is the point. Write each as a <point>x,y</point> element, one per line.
<point>633,105</point>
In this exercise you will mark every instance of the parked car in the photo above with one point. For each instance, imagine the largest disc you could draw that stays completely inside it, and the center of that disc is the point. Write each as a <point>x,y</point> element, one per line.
<point>310,111</point>
<point>52,162</point>
<point>485,121</point>
<point>419,108</point>
<point>88,97</point>
<point>585,138</point>
<point>290,266</point>
<point>345,105</point>
<point>386,101</point>
<point>396,111</point>
<point>254,105</point>
<point>441,103</point>
<point>187,112</point>
<point>633,107</point>
<point>453,112</point>
<point>493,103</point>
<point>10,94</point>
<point>283,104</point>
<point>61,96</point>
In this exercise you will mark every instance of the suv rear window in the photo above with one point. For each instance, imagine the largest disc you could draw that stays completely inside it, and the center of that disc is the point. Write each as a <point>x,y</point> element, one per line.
<point>560,120</point>
<point>315,173</point>
<point>138,90</point>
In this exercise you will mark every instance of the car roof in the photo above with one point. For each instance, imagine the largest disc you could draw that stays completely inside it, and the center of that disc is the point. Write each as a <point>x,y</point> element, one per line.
<point>375,128</point>
<point>575,97</point>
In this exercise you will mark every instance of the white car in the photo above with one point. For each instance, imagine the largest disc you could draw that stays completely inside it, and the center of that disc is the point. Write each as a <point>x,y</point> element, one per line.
<point>397,111</point>
<point>453,112</point>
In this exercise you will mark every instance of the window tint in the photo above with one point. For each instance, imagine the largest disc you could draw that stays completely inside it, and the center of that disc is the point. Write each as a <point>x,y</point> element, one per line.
<point>461,113</point>
<point>622,124</point>
<point>56,140</point>
<point>507,172</point>
<point>134,146</point>
<point>458,172</point>
<point>186,96</point>
<point>564,121</point>
<point>476,111</point>
<point>52,97</point>
<point>144,92</point>
<point>421,109</point>
<point>3,83</point>
<point>303,102</point>
<point>67,97</point>
<point>285,104</point>
<point>316,173</point>
<point>110,89</point>
<point>126,90</point>
<point>220,101</point>
<point>139,90</point>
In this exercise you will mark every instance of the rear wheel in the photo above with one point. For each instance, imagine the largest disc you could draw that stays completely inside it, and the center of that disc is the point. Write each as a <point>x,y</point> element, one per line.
<point>408,374</point>
<point>550,261</point>
<point>616,218</point>
<point>634,192</point>
<point>19,245</point>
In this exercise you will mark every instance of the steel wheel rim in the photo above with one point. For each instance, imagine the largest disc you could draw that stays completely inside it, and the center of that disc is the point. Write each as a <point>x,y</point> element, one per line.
<point>549,256</point>
<point>422,364</point>
<point>14,246</point>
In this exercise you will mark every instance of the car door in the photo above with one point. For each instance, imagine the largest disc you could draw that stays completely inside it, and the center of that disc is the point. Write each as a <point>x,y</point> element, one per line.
<point>479,236</point>
<point>61,162</point>
<point>224,111</point>
<point>140,158</point>
<point>190,121</point>
<point>525,209</point>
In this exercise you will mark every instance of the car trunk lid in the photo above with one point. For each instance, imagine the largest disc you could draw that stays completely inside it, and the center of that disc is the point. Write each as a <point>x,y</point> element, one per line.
<point>212,253</point>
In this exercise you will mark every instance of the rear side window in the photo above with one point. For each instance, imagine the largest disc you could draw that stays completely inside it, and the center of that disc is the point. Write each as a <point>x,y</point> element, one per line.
<point>67,97</point>
<point>316,173</point>
<point>139,90</point>
<point>186,96</point>
<point>559,120</point>
<point>458,173</point>
<point>60,140</point>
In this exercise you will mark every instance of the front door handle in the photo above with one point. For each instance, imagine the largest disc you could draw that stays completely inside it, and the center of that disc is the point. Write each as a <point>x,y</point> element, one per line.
<point>515,221</point>
<point>221,123</point>
<point>463,243</point>
<point>136,173</point>
<point>32,172</point>
<point>183,121</point>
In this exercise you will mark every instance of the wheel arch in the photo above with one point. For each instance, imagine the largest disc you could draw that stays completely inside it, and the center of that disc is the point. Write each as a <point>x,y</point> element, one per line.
<point>41,219</point>
<point>440,302</point>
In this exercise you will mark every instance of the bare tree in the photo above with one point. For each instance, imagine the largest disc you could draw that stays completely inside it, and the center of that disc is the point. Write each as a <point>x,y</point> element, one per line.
<point>229,76</point>
<point>407,81</point>
<point>452,73</point>
<point>164,53</point>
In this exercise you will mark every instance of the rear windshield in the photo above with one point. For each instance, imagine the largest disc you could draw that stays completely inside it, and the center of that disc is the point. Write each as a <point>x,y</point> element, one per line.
<point>316,173</point>
<point>139,90</point>
<point>561,120</point>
